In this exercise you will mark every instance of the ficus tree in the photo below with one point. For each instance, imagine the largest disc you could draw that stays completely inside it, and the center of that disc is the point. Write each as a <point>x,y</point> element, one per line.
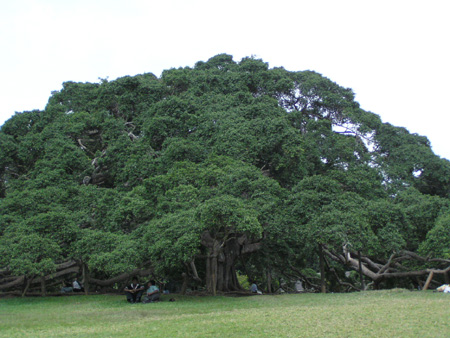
<point>224,166</point>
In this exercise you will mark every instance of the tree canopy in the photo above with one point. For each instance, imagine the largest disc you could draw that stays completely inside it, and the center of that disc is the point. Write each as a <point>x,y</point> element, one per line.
<point>220,170</point>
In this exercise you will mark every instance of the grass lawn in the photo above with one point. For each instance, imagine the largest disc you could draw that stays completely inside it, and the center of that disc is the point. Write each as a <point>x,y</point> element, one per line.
<point>367,314</point>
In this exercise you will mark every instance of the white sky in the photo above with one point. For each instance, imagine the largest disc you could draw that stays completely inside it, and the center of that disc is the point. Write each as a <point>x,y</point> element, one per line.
<point>394,54</point>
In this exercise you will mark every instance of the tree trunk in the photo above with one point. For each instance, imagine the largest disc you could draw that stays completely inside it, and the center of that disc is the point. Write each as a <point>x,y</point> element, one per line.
<point>221,257</point>
<point>269,281</point>
<point>361,276</point>
<point>43,288</point>
<point>323,286</point>
<point>27,283</point>
<point>194,271</point>
<point>376,285</point>
<point>222,278</point>
<point>185,283</point>
<point>85,278</point>
<point>230,255</point>
<point>214,274</point>
<point>213,250</point>
<point>208,276</point>
<point>235,281</point>
<point>211,271</point>
<point>427,283</point>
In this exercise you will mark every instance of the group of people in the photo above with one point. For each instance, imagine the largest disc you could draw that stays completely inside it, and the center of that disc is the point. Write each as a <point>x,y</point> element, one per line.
<point>135,291</point>
<point>75,286</point>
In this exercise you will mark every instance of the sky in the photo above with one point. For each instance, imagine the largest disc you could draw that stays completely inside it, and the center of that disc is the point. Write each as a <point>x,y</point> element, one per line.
<point>394,54</point>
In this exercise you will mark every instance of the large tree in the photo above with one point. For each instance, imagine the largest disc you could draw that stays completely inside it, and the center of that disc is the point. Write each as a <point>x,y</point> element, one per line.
<point>208,171</point>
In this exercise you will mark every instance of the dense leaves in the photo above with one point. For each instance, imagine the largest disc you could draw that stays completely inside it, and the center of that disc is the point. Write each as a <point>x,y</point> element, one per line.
<point>208,170</point>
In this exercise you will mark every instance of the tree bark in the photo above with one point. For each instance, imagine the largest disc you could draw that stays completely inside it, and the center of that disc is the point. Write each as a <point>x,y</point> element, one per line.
<point>8,279</point>
<point>213,250</point>
<point>214,274</point>
<point>222,276</point>
<point>427,283</point>
<point>16,282</point>
<point>308,283</point>
<point>185,283</point>
<point>27,283</point>
<point>235,281</point>
<point>194,271</point>
<point>43,288</point>
<point>323,287</point>
<point>221,257</point>
<point>361,276</point>
<point>85,277</point>
<point>120,278</point>
<point>269,281</point>
<point>388,270</point>
<point>208,273</point>
<point>74,269</point>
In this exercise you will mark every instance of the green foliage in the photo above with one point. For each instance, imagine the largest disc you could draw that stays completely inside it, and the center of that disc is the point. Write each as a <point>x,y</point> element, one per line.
<point>118,172</point>
<point>408,160</point>
<point>343,223</point>
<point>172,241</point>
<point>227,214</point>
<point>436,242</point>
<point>29,254</point>
<point>106,252</point>
<point>421,212</point>
<point>389,222</point>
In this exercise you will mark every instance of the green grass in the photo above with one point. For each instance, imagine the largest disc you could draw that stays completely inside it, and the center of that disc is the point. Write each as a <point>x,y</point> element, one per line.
<point>367,314</point>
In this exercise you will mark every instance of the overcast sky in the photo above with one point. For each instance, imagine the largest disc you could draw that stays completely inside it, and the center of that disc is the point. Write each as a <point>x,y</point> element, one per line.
<point>394,54</point>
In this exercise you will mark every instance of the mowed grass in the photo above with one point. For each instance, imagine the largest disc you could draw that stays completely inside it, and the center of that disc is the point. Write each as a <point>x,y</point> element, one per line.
<point>367,314</point>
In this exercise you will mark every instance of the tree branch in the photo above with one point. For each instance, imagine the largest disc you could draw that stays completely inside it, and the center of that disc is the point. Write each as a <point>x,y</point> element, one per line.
<point>386,266</point>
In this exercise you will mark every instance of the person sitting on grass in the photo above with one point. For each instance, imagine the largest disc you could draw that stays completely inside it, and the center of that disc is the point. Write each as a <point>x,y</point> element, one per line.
<point>134,291</point>
<point>76,286</point>
<point>67,287</point>
<point>254,289</point>
<point>153,293</point>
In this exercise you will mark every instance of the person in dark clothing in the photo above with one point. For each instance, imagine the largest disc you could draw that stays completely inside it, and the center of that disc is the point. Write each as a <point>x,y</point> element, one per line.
<point>67,287</point>
<point>134,291</point>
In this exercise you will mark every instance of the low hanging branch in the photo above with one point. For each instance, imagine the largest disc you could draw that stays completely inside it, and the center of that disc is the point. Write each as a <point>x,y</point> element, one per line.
<point>389,269</point>
<point>18,281</point>
<point>141,271</point>
<point>194,271</point>
<point>63,271</point>
<point>341,282</point>
<point>120,278</point>
<point>306,280</point>
<point>12,282</point>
